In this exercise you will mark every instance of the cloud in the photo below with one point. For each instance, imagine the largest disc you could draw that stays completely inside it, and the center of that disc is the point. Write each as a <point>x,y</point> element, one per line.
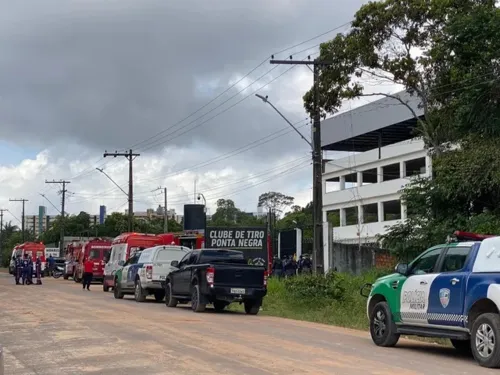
<point>81,77</point>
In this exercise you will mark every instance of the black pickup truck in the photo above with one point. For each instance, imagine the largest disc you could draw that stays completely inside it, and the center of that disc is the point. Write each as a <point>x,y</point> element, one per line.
<point>216,277</point>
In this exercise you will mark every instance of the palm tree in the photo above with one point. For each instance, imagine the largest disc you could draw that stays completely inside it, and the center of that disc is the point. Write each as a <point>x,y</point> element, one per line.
<point>9,229</point>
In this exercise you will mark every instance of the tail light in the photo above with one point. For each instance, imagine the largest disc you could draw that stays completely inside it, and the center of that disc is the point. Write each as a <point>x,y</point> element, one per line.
<point>210,276</point>
<point>266,274</point>
<point>149,272</point>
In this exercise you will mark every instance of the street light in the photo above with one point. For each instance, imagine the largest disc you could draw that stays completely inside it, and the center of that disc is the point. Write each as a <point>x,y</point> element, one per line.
<point>118,186</point>
<point>265,100</point>
<point>316,252</point>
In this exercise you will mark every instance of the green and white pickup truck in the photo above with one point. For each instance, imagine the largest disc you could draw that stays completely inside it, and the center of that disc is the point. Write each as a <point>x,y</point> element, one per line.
<point>450,291</point>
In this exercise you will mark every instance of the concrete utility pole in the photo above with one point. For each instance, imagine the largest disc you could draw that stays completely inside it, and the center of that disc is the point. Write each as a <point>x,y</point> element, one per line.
<point>63,203</point>
<point>2,210</point>
<point>22,218</point>
<point>130,157</point>
<point>317,161</point>
<point>165,213</point>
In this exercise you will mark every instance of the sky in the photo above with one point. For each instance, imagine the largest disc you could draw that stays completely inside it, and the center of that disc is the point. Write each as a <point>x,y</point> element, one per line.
<point>168,79</point>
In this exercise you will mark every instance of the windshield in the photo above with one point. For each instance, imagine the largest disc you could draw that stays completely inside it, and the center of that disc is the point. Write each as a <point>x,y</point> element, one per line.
<point>94,254</point>
<point>167,255</point>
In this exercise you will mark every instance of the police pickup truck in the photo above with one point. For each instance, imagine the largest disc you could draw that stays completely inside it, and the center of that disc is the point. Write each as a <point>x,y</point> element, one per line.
<point>217,277</point>
<point>145,274</point>
<point>450,291</point>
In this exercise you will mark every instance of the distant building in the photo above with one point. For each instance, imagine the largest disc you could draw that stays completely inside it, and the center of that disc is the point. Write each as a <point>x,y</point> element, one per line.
<point>102,214</point>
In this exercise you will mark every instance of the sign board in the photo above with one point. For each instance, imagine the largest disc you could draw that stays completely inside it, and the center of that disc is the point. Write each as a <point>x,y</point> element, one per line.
<point>252,241</point>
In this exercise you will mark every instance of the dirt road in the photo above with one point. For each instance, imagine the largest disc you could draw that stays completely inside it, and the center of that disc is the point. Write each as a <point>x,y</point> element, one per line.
<point>58,328</point>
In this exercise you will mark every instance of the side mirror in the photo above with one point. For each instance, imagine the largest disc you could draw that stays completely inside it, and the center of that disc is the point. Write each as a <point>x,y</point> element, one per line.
<point>402,268</point>
<point>121,263</point>
<point>174,263</point>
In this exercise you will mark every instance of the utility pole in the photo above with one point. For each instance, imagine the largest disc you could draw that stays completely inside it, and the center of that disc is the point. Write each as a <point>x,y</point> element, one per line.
<point>317,160</point>
<point>22,218</point>
<point>2,210</point>
<point>130,157</point>
<point>165,213</point>
<point>63,203</point>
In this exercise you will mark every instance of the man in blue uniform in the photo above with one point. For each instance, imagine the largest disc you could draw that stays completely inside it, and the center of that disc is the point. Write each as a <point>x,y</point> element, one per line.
<point>38,271</point>
<point>30,270</point>
<point>19,268</point>
<point>26,267</point>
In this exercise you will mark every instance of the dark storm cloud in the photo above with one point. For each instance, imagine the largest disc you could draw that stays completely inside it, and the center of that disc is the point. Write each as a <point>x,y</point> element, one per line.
<point>108,74</point>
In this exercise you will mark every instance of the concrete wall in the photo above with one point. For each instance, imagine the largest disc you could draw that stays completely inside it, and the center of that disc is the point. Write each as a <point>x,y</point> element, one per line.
<point>356,259</point>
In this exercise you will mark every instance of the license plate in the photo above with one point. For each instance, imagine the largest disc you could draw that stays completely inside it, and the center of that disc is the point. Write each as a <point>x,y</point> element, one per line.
<point>238,291</point>
<point>163,277</point>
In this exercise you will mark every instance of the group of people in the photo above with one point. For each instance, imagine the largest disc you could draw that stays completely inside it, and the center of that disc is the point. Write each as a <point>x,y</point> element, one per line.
<point>24,270</point>
<point>289,266</point>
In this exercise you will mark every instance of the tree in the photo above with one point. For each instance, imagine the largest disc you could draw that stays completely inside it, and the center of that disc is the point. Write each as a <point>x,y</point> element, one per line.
<point>447,54</point>
<point>383,45</point>
<point>274,201</point>
<point>227,214</point>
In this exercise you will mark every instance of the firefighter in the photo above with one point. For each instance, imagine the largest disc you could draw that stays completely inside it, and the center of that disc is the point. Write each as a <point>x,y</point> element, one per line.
<point>19,268</point>
<point>88,269</point>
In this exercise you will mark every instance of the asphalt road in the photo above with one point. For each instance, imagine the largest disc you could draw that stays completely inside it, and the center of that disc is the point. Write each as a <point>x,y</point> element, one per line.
<point>58,328</point>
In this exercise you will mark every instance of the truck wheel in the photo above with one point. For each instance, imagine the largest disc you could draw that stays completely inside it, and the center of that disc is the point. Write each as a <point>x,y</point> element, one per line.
<point>117,292</point>
<point>219,306</point>
<point>252,307</point>
<point>169,300</point>
<point>196,304</point>
<point>462,346</point>
<point>159,295</point>
<point>105,286</point>
<point>66,276</point>
<point>484,340</point>
<point>139,293</point>
<point>382,328</point>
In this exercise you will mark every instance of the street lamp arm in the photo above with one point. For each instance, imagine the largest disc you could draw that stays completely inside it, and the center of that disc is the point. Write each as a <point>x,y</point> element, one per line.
<point>265,100</point>
<point>118,186</point>
<point>204,199</point>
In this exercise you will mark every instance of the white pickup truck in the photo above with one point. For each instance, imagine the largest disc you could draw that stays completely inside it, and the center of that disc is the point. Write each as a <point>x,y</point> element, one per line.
<point>145,275</point>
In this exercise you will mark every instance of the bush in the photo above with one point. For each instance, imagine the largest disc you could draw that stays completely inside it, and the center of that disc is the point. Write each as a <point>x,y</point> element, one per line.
<point>317,288</point>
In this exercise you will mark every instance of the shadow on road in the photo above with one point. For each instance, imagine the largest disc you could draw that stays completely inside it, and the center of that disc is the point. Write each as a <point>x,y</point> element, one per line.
<point>435,350</point>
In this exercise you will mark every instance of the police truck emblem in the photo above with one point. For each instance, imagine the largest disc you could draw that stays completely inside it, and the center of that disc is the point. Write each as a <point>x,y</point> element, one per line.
<point>444,297</point>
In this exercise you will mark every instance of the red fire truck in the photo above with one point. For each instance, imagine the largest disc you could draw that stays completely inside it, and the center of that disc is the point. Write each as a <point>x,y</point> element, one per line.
<point>33,249</point>
<point>96,250</point>
<point>191,239</point>
<point>71,256</point>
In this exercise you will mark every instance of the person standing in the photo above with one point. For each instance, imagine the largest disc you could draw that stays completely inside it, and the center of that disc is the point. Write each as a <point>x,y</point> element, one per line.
<point>51,262</point>
<point>26,269</point>
<point>88,267</point>
<point>19,268</point>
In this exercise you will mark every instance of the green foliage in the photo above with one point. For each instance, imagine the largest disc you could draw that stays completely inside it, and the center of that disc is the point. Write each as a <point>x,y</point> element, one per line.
<point>275,202</point>
<point>317,289</point>
<point>228,215</point>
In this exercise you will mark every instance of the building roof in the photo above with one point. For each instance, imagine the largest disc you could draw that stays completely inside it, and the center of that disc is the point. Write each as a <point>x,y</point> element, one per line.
<point>380,123</point>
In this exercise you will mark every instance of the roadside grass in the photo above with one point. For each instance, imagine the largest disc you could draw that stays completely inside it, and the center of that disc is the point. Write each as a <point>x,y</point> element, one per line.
<point>333,300</point>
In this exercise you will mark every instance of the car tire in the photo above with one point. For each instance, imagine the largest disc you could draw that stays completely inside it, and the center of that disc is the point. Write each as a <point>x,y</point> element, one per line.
<point>196,304</point>
<point>169,300</point>
<point>219,306</point>
<point>66,276</point>
<point>139,294</point>
<point>117,292</point>
<point>383,330</point>
<point>485,333</point>
<point>462,346</point>
<point>252,307</point>
<point>105,286</point>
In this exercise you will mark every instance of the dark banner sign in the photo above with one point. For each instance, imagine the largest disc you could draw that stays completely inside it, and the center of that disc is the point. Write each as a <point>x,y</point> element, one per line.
<point>252,241</point>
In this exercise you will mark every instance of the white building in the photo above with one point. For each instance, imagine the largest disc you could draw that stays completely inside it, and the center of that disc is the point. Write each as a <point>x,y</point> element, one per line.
<point>362,191</point>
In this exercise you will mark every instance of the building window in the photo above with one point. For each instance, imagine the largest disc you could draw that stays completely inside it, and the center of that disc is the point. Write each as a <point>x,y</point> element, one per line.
<point>332,184</point>
<point>351,180</point>
<point>392,210</point>
<point>390,172</point>
<point>414,167</point>
<point>351,216</point>
<point>370,213</point>
<point>333,217</point>
<point>369,176</point>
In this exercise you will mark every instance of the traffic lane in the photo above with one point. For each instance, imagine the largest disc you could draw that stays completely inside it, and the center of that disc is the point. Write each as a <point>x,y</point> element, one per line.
<point>80,332</point>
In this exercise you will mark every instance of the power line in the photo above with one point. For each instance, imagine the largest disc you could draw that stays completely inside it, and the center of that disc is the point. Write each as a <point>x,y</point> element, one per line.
<point>130,157</point>
<point>63,202</point>
<point>22,215</point>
